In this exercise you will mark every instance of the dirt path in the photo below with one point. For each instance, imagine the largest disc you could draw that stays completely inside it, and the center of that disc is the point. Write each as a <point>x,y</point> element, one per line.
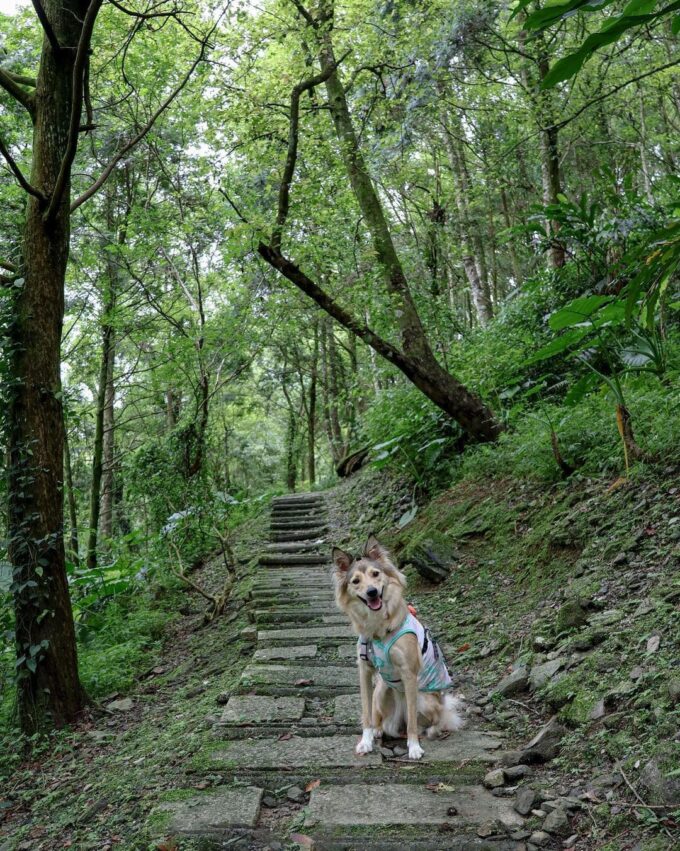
<point>285,742</point>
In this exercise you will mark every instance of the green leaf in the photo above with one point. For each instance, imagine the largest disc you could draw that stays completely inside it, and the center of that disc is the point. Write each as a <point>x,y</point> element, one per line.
<point>560,344</point>
<point>577,311</point>
<point>675,25</point>
<point>582,387</point>
<point>639,7</point>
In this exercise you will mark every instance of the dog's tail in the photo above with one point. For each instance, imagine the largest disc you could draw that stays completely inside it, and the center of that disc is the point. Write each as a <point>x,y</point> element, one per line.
<point>452,717</point>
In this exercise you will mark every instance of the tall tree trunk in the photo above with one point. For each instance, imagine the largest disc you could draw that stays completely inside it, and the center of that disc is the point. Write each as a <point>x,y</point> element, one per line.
<point>226,451</point>
<point>330,395</point>
<point>291,449</point>
<point>644,144</point>
<point>173,407</point>
<point>105,368</point>
<point>514,259</point>
<point>48,687</point>
<point>473,251</point>
<point>550,164</point>
<point>73,553</point>
<point>108,448</point>
<point>311,407</point>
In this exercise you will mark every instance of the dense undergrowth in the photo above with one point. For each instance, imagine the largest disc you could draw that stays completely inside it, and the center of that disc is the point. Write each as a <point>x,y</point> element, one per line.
<point>125,606</point>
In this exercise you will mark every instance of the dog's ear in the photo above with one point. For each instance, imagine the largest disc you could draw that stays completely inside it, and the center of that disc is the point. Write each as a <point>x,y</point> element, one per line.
<point>374,549</point>
<point>342,560</point>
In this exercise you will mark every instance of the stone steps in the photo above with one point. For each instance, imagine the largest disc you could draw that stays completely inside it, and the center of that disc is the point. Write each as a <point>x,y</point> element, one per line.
<point>293,560</point>
<point>296,523</point>
<point>294,717</point>
<point>311,534</point>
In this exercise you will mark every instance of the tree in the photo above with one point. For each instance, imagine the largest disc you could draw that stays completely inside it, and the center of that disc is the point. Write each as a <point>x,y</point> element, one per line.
<point>416,358</point>
<point>49,689</point>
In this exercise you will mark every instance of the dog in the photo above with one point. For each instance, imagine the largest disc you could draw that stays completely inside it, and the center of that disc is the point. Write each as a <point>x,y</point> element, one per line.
<point>412,671</point>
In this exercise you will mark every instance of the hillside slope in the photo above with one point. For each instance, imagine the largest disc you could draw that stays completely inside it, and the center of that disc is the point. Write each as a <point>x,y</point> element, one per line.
<point>562,600</point>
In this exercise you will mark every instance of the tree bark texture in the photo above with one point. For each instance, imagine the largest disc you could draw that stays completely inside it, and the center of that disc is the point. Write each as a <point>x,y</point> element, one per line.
<point>48,688</point>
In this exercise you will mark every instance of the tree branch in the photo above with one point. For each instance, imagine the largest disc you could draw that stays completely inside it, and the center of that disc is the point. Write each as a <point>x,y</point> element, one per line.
<point>560,124</point>
<point>10,84</point>
<point>47,27</point>
<point>21,79</point>
<point>233,206</point>
<point>305,14</point>
<point>16,171</point>
<point>77,96</point>
<point>291,155</point>
<point>8,265</point>
<point>104,176</point>
<point>296,276</point>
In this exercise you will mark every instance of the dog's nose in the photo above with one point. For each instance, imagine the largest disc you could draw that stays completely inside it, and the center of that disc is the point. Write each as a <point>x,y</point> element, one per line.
<point>372,592</point>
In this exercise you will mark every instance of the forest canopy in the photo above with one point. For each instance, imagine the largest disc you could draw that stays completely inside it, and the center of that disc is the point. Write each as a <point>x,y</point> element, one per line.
<point>241,242</point>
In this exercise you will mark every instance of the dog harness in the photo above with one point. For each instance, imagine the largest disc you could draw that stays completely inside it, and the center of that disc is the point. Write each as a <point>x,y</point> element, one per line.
<point>433,675</point>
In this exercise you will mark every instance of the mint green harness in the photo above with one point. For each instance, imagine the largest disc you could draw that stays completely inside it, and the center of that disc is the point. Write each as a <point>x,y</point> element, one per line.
<point>433,676</point>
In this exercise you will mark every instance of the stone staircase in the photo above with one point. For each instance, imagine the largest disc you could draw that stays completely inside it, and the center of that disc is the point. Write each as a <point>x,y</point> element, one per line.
<point>293,723</point>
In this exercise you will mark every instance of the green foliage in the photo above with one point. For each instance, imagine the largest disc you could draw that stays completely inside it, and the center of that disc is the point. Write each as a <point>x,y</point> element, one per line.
<point>116,644</point>
<point>408,432</point>
<point>635,15</point>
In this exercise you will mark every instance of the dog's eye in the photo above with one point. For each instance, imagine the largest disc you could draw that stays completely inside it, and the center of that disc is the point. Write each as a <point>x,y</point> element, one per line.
<point>374,573</point>
<point>355,582</point>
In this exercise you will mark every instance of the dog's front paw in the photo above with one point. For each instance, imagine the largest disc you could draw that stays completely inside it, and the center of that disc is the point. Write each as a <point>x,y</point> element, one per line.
<point>366,742</point>
<point>414,750</point>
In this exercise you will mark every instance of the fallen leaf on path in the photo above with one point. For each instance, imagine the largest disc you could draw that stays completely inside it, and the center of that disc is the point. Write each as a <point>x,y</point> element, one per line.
<point>202,785</point>
<point>304,683</point>
<point>285,736</point>
<point>313,784</point>
<point>170,845</point>
<point>439,787</point>
<point>464,647</point>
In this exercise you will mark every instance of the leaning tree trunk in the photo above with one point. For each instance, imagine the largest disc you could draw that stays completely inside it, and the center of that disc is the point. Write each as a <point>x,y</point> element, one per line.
<point>48,688</point>
<point>432,379</point>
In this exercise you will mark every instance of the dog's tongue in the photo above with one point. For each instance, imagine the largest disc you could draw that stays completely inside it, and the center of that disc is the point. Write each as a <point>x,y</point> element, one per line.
<point>375,604</point>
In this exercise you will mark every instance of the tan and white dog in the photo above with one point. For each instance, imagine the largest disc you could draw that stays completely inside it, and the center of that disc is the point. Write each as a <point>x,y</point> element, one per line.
<point>369,590</point>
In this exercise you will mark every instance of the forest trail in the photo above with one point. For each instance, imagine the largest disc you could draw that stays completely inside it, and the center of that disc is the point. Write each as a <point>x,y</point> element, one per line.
<point>287,734</point>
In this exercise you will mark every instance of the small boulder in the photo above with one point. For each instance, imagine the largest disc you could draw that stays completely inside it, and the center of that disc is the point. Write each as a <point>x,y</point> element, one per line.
<point>545,744</point>
<point>557,822</point>
<point>296,795</point>
<point>571,616</point>
<point>541,674</point>
<point>511,758</point>
<point>514,683</point>
<point>494,778</point>
<point>525,800</point>
<point>663,790</point>
<point>673,690</point>
<point>598,711</point>
<point>125,704</point>
<point>515,772</point>
<point>539,837</point>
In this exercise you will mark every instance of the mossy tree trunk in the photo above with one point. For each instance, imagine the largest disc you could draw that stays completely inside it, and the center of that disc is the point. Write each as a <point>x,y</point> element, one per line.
<point>49,690</point>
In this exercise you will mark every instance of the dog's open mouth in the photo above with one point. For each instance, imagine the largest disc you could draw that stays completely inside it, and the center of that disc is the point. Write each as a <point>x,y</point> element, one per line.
<point>374,603</point>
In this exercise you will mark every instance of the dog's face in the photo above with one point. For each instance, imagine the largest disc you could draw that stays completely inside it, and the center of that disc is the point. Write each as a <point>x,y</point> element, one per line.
<point>369,583</point>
